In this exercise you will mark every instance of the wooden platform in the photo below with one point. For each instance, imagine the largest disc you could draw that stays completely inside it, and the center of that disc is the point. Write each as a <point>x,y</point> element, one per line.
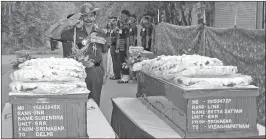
<point>97,125</point>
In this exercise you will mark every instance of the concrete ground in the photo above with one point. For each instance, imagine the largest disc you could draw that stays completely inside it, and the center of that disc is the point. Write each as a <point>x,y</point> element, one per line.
<point>110,90</point>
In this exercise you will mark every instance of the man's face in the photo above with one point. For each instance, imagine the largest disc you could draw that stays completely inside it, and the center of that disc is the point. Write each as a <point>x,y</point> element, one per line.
<point>124,18</point>
<point>145,21</point>
<point>88,18</point>
<point>133,20</point>
<point>113,23</point>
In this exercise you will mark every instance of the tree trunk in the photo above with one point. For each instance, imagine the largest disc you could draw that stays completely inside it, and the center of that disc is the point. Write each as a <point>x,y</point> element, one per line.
<point>13,6</point>
<point>16,42</point>
<point>31,42</point>
<point>9,9</point>
<point>189,17</point>
<point>5,9</point>
<point>166,13</point>
<point>182,14</point>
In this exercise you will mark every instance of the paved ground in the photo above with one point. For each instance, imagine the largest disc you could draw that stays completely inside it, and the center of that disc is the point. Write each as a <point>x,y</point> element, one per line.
<point>110,90</point>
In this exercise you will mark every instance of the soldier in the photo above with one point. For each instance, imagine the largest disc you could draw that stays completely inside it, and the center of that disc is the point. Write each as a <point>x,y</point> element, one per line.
<point>112,34</point>
<point>133,30</point>
<point>123,44</point>
<point>146,33</point>
<point>133,33</point>
<point>84,34</point>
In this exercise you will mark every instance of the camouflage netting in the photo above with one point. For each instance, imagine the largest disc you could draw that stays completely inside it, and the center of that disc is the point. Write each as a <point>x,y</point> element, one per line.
<point>244,48</point>
<point>176,40</point>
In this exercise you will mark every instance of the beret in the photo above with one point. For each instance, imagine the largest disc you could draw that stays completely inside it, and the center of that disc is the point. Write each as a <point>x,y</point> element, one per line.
<point>126,12</point>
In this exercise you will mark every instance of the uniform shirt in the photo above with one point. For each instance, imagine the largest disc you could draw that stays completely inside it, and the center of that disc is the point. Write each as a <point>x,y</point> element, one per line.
<point>81,34</point>
<point>146,31</point>
<point>123,35</point>
<point>112,34</point>
<point>133,31</point>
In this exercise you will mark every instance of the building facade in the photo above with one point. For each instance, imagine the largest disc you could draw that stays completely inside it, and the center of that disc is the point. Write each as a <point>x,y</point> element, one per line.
<point>242,14</point>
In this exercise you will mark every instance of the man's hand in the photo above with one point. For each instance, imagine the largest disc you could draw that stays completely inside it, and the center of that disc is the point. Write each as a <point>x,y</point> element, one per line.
<point>117,51</point>
<point>73,20</point>
<point>108,41</point>
<point>62,21</point>
<point>88,64</point>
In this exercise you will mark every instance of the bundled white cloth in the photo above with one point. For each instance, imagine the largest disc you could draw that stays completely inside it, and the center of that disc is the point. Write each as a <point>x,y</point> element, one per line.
<point>227,81</point>
<point>193,70</point>
<point>49,76</point>
<point>46,87</point>
<point>46,74</point>
<point>206,71</point>
<point>50,69</point>
<point>67,62</point>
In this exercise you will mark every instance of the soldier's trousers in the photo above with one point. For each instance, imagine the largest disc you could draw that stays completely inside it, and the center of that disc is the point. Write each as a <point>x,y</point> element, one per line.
<point>94,81</point>
<point>143,41</point>
<point>116,62</point>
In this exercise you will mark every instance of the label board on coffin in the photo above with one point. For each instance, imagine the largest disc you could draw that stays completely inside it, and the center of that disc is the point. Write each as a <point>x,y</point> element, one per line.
<point>49,116</point>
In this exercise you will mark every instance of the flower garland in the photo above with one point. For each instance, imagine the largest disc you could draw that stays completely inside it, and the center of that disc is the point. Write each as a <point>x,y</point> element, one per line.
<point>132,60</point>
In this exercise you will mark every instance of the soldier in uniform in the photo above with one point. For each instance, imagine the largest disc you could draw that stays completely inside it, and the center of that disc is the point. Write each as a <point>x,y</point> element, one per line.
<point>123,44</point>
<point>112,34</point>
<point>84,34</point>
<point>146,33</point>
<point>133,30</point>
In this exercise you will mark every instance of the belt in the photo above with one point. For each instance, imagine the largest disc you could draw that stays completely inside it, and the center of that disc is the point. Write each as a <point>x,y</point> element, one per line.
<point>67,41</point>
<point>60,40</point>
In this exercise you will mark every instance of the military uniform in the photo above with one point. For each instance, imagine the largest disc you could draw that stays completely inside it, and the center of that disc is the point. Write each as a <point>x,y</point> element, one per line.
<point>115,56</point>
<point>123,36</point>
<point>95,74</point>
<point>133,31</point>
<point>112,35</point>
<point>144,33</point>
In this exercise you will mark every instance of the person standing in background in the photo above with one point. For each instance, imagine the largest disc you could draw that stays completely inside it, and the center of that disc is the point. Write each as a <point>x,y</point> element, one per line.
<point>133,30</point>
<point>133,33</point>
<point>112,35</point>
<point>123,44</point>
<point>146,33</point>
